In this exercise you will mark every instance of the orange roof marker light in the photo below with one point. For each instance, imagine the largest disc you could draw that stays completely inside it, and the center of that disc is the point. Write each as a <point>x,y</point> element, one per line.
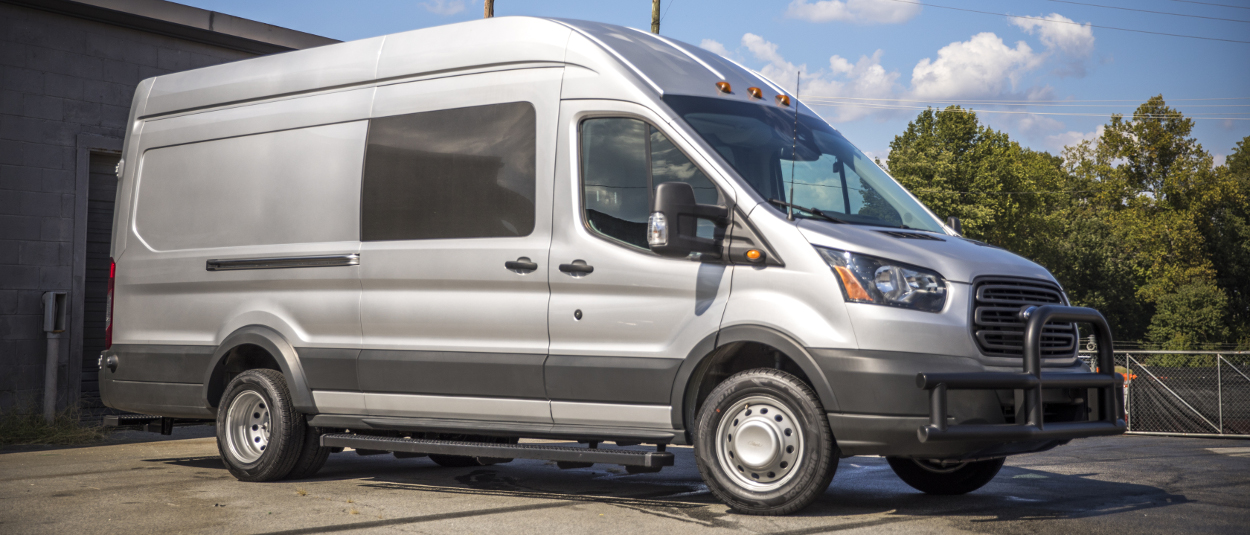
<point>724,87</point>
<point>783,100</point>
<point>755,92</point>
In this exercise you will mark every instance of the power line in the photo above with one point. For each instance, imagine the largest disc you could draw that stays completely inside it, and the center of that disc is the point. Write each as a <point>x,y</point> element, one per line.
<point>1022,103</point>
<point>1020,112</point>
<point>1149,11</point>
<point>1071,22</point>
<point>1210,4</point>
<point>1043,101</point>
<point>665,14</point>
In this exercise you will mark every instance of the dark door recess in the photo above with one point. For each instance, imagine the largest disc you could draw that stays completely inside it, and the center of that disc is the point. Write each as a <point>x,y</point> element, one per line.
<point>102,194</point>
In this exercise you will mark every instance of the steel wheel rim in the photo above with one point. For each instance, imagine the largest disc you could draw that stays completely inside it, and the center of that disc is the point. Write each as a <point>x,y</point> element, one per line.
<point>247,426</point>
<point>753,445</point>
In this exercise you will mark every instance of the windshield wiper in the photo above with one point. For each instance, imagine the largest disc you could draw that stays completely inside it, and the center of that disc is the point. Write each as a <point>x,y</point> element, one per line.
<point>814,211</point>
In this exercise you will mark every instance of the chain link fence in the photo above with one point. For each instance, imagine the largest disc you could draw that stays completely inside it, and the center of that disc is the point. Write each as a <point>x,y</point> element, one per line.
<point>1189,393</point>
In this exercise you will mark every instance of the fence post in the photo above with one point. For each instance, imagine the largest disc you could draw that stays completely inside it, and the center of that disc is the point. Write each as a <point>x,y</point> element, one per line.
<point>1219,390</point>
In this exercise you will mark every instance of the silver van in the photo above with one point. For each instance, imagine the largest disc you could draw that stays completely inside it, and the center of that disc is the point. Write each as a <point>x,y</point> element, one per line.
<point>442,241</point>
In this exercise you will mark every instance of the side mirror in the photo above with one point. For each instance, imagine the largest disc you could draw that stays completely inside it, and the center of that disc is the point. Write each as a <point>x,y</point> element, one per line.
<point>953,222</point>
<point>672,229</point>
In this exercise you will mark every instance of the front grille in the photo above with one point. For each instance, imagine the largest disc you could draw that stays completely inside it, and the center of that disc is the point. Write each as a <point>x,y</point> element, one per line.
<point>996,324</point>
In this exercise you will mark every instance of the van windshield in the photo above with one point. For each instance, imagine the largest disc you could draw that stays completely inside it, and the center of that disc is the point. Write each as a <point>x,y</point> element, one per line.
<point>824,170</point>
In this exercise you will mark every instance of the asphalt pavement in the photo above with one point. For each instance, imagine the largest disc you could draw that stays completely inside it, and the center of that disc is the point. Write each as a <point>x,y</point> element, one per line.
<point>1128,484</point>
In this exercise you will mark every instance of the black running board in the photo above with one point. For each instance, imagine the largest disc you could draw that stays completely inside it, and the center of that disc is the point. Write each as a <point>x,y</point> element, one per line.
<point>646,459</point>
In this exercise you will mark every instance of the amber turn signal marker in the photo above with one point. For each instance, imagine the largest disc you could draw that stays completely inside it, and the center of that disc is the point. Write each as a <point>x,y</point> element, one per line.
<point>783,100</point>
<point>723,87</point>
<point>755,92</point>
<point>853,289</point>
<point>754,255</point>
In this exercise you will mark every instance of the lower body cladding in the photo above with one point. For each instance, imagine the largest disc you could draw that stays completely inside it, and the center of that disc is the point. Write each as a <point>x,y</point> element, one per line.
<point>881,409</point>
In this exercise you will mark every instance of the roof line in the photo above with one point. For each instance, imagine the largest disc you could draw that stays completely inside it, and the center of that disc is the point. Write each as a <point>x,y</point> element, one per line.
<point>683,51</point>
<point>614,53</point>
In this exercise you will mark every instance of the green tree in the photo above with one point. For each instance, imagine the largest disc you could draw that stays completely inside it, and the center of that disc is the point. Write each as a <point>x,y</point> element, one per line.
<point>1226,229</point>
<point>960,168</point>
<point>1192,317</point>
<point>1137,223</point>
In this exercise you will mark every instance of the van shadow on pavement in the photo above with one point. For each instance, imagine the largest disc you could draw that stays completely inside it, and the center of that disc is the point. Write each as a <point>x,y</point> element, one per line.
<point>864,487</point>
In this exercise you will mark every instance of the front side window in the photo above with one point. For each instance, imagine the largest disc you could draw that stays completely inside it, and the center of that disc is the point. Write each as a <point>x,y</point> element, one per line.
<point>623,161</point>
<point>460,173</point>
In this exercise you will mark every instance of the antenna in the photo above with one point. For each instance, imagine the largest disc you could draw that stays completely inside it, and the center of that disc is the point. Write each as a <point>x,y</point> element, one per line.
<point>794,146</point>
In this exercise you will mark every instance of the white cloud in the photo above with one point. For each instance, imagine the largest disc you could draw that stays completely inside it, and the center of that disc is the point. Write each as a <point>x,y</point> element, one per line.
<point>1072,43</point>
<point>444,7</point>
<point>1071,138</point>
<point>865,78</point>
<point>1062,34</point>
<point>714,47</point>
<point>1219,159</point>
<point>860,11</point>
<point>979,67</point>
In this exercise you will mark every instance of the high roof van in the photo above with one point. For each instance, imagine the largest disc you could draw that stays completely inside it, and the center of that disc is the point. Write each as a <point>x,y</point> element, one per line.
<point>443,241</point>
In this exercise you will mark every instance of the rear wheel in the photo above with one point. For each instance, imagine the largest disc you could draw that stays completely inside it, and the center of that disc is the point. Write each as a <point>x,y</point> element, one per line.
<point>763,443</point>
<point>259,434</point>
<point>935,478</point>
<point>311,456</point>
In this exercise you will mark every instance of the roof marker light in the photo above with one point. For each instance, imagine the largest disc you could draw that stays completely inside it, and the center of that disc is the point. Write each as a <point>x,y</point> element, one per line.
<point>783,100</point>
<point>724,87</point>
<point>755,92</point>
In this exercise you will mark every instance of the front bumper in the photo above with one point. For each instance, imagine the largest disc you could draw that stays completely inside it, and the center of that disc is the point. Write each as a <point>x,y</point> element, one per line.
<point>1103,385</point>
<point>878,409</point>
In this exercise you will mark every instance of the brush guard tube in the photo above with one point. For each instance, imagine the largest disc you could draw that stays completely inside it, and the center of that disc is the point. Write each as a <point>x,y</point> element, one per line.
<point>1105,381</point>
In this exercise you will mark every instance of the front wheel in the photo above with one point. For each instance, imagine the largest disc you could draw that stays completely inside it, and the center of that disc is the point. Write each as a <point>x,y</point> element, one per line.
<point>763,443</point>
<point>935,478</point>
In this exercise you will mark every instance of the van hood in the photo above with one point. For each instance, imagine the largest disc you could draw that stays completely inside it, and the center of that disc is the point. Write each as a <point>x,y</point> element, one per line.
<point>956,259</point>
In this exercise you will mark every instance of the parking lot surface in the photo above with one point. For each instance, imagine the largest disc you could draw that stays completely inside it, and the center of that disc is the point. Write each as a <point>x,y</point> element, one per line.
<point>1130,484</point>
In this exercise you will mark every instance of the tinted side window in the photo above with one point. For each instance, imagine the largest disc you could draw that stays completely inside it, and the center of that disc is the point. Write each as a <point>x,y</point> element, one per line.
<point>623,160</point>
<point>462,173</point>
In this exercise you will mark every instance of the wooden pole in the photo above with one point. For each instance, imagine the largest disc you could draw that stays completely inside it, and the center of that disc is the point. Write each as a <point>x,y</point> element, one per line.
<point>488,9</point>
<point>655,16</point>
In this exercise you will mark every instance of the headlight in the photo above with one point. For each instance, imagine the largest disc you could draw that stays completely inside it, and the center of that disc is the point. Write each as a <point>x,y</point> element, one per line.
<point>868,279</point>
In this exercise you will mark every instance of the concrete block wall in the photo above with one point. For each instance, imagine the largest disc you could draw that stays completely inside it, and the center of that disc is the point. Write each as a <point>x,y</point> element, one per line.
<point>60,76</point>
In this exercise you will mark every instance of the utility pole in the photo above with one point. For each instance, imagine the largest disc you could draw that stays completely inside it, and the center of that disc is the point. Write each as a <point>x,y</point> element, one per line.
<point>655,16</point>
<point>488,9</point>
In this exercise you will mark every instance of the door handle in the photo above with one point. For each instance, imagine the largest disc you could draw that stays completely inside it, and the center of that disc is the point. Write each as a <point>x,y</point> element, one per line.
<point>521,264</point>
<point>577,268</point>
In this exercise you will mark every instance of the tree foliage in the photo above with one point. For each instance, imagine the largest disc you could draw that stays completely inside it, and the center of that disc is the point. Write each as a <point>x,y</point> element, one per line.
<point>1138,223</point>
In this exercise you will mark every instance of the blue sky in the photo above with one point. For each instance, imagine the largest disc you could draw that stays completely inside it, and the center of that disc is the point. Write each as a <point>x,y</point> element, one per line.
<point>897,56</point>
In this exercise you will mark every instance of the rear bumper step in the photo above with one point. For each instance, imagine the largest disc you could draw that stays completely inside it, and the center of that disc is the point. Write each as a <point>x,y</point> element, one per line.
<point>646,459</point>
<point>151,424</point>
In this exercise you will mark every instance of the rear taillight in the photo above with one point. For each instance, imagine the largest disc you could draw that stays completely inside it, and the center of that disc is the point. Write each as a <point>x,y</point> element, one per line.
<point>108,306</point>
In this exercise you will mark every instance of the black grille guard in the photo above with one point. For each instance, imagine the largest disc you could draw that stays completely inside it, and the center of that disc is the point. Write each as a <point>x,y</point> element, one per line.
<point>1110,406</point>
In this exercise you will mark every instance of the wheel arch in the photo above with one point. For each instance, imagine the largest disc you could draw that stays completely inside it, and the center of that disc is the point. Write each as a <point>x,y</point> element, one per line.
<point>699,361</point>
<point>279,350</point>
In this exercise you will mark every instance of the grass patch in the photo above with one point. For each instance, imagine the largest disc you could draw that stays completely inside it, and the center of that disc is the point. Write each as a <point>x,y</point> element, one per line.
<point>27,427</point>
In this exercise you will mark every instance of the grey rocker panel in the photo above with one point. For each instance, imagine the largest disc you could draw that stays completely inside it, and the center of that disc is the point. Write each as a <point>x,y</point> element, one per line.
<point>502,375</point>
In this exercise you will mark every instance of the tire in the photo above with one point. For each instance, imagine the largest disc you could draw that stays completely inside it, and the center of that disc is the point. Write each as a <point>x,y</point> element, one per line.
<point>460,461</point>
<point>311,456</point>
<point>776,473</point>
<point>932,478</point>
<point>259,434</point>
